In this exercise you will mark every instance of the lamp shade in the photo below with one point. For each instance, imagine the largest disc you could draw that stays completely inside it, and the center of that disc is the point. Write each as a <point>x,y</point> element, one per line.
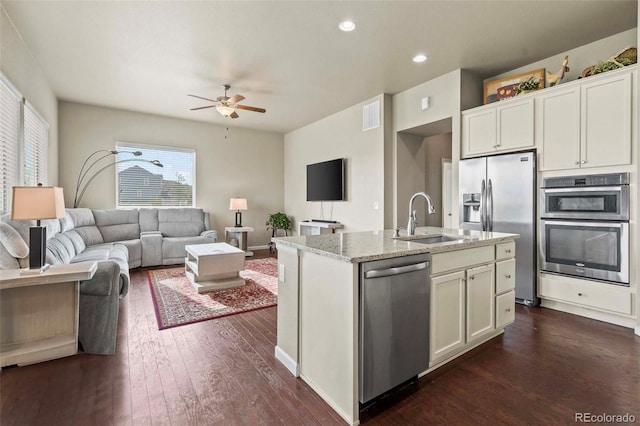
<point>238,204</point>
<point>37,203</point>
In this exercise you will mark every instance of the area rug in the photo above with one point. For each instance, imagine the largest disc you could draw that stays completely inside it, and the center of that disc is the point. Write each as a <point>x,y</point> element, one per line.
<point>177,303</point>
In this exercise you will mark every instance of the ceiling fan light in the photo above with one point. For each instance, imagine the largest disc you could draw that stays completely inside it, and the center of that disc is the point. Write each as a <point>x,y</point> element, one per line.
<point>225,110</point>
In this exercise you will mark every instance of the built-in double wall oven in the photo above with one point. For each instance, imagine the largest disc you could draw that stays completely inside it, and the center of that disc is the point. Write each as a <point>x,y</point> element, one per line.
<point>585,227</point>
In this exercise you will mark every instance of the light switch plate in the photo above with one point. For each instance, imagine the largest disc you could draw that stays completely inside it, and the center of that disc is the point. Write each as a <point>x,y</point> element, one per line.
<point>425,103</point>
<point>281,272</point>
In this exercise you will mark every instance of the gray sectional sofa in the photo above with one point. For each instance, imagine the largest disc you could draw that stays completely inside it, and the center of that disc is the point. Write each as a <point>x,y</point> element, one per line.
<point>118,240</point>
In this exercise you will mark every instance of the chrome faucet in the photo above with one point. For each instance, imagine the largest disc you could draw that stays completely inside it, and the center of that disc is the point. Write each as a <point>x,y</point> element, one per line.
<point>411,226</point>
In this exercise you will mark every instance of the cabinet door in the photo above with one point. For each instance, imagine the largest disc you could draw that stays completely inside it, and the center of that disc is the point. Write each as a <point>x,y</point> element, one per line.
<point>447,315</point>
<point>606,122</point>
<point>480,301</point>
<point>479,132</point>
<point>515,125</point>
<point>558,129</point>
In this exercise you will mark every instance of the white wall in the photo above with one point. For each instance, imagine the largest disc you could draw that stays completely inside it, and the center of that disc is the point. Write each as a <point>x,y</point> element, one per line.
<point>436,148</point>
<point>339,136</point>
<point>249,164</point>
<point>23,71</point>
<point>444,94</point>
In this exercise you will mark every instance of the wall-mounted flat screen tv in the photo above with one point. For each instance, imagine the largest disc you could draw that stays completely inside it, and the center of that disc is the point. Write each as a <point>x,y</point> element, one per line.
<point>325,181</point>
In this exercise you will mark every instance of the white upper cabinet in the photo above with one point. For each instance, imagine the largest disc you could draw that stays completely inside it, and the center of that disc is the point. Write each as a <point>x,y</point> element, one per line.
<point>580,124</point>
<point>605,138</point>
<point>501,127</point>
<point>479,132</point>
<point>558,129</point>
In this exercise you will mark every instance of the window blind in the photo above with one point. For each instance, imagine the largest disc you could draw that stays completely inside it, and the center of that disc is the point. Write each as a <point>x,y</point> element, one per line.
<point>10,100</point>
<point>36,142</point>
<point>141,183</point>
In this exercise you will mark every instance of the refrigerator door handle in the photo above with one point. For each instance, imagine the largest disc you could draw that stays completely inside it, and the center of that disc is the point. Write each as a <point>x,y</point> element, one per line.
<point>483,206</point>
<point>490,205</point>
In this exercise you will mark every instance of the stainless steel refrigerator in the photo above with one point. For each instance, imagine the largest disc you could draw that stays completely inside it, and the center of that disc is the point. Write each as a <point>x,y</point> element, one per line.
<point>498,193</point>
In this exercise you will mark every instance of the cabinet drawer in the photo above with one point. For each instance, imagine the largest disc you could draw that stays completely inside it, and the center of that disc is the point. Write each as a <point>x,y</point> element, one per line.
<point>607,297</point>
<point>505,309</point>
<point>505,275</point>
<point>442,262</point>
<point>505,250</point>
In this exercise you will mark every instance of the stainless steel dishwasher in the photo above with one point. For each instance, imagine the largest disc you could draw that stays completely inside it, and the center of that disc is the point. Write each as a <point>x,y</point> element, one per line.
<point>394,323</point>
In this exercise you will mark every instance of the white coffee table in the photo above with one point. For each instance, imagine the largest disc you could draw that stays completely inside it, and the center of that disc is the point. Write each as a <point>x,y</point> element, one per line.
<point>214,266</point>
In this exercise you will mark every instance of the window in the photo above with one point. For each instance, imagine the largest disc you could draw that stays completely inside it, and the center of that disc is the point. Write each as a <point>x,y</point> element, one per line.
<point>10,100</point>
<point>36,141</point>
<point>140,182</point>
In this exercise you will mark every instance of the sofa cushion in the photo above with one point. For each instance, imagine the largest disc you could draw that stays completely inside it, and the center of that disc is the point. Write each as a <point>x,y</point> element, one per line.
<point>180,222</point>
<point>76,239</point>
<point>14,244</point>
<point>134,247</point>
<point>148,220</point>
<point>57,250</point>
<point>66,223</point>
<point>173,247</point>
<point>117,225</point>
<point>85,225</point>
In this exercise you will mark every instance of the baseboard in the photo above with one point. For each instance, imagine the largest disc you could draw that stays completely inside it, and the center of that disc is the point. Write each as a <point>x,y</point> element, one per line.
<point>346,417</point>
<point>287,361</point>
<point>637,330</point>
<point>590,313</point>
<point>263,247</point>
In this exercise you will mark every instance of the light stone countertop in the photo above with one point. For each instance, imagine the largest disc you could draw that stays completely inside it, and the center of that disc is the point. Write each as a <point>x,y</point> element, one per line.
<point>355,247</point>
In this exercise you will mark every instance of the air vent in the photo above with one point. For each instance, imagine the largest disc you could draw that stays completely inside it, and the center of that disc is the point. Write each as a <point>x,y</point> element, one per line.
<point>371,116</point>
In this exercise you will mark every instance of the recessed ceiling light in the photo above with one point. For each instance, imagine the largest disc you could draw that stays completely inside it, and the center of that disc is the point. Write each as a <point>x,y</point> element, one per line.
<point>419,58</point>
<point>347,26</point>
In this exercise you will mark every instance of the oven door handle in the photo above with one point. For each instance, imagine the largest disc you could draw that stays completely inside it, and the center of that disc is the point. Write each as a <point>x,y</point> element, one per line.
<point>585,224</point>
<point>590,189</point>
<point>483,206</point>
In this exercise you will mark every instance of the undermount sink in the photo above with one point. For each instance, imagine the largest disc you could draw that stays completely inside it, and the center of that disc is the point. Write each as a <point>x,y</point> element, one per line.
<point>432,239</point>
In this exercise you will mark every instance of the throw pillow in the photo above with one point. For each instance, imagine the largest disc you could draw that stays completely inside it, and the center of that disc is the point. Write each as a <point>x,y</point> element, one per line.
<point>13,242</point>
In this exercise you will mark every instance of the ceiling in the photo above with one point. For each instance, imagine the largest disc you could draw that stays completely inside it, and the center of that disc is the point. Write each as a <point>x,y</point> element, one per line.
<point>289,57</point>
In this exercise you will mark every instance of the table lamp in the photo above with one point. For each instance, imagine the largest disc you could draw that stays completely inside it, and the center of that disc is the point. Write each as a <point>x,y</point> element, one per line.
<point>37,203</point>
<point>238,204</point>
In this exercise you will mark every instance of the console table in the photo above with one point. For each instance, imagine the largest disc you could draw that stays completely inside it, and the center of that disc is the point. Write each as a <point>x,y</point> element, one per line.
<point>39,313</point>
<point>239,233</point>
<point>317,228</point>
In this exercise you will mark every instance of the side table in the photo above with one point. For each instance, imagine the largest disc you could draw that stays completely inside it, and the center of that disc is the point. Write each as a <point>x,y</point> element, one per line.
<point>39,313</point>
<point>238,233</point>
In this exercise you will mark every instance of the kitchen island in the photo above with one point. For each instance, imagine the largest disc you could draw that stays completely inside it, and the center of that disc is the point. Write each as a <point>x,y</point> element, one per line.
<point>472,278</point>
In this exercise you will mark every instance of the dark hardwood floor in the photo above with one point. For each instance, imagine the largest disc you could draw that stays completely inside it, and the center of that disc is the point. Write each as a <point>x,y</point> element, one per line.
<point>547,367</point>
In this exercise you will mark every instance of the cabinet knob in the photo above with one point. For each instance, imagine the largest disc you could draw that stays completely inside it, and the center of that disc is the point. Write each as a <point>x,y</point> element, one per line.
<point>508,310</point>
<point>583,162</point>
<point>472,277</point>
<point>508,275</point>
<point>577,162</point>
<point>579,294</point>
<point>507,251</point>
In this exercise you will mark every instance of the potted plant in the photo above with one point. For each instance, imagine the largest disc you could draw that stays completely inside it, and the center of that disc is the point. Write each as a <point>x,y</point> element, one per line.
<point>528,85</point>
<point>278,221</point>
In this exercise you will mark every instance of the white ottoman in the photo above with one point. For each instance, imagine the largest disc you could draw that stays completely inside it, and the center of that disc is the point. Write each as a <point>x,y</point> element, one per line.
<point>214,266</point>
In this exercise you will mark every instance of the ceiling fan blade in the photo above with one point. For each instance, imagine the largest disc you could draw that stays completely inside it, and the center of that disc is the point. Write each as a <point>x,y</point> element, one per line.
<point>210,106</point>
<point>250,108</point>
<point>234,115</point>
<point>200,97</point>
<point>236,98</point>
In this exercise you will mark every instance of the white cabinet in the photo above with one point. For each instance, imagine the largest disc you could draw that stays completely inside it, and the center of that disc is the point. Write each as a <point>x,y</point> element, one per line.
<point>585,125</point>
<point>480,299</point>
<point>588,294</point>
<point>447,314</point>
<point>558,129</point>
<point>505,309</point>
<point>605,130</point>
<point>503,127</point>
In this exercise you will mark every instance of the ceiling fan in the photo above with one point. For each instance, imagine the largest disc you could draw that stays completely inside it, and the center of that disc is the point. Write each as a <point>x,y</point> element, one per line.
<point>227,105</point>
